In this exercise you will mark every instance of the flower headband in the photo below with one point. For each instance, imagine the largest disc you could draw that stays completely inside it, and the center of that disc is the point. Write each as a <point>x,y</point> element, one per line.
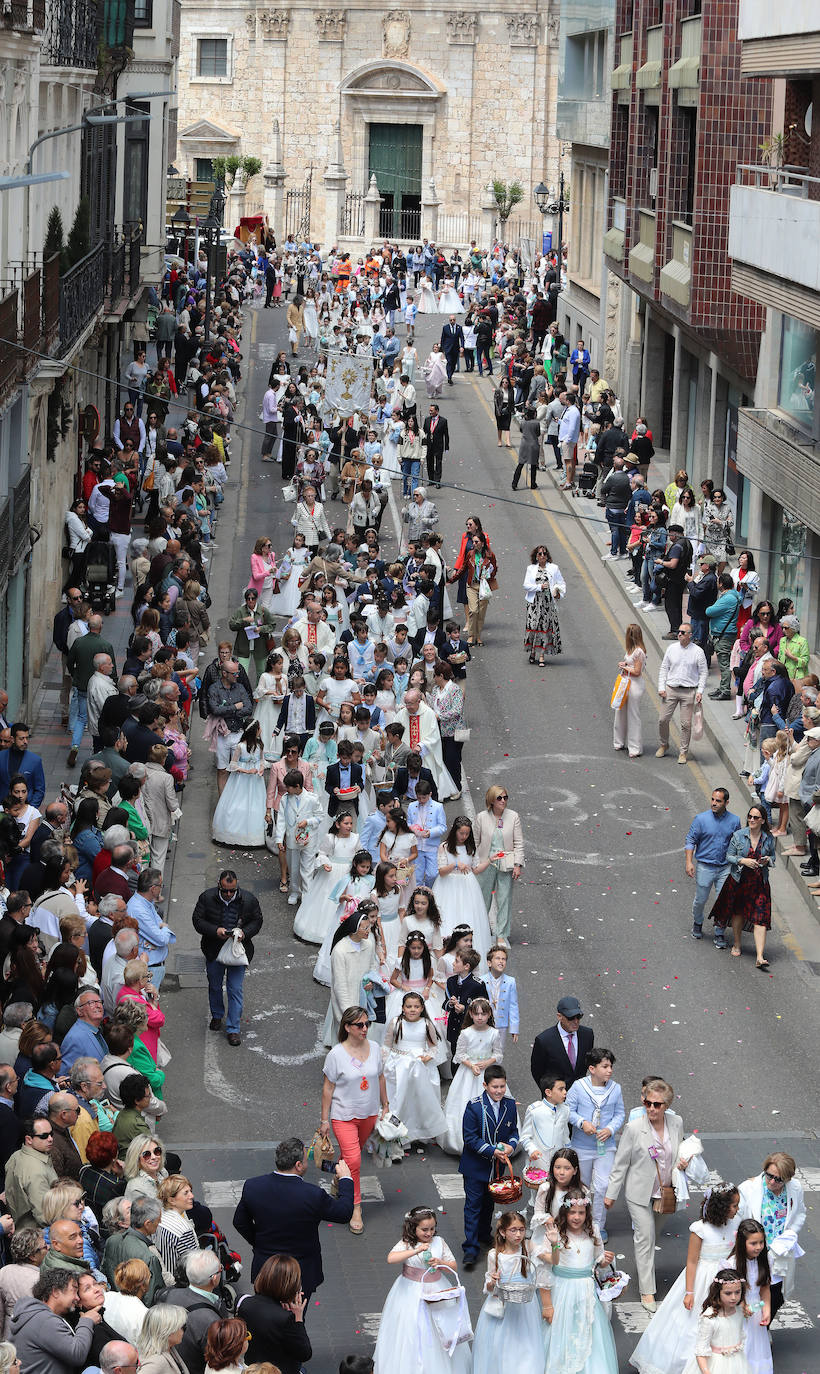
<point>723,1187</point>
<point>574,1202</point>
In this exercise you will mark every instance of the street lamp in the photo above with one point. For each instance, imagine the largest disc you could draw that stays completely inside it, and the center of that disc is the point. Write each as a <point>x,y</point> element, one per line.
<point>183,219</point>
<point>558,207</point>
<point>212,227</point>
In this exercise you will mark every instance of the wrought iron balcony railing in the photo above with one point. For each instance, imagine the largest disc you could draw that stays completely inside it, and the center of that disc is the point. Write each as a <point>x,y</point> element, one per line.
<point>70,34</point>
<point>82,293</point>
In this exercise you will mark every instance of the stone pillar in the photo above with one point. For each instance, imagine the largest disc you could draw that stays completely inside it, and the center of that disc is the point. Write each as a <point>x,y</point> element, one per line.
<point>274,198</point>
<point>429,212</point>
<point>489,215</point>
<point>335,184</point>
<point>372,206</point>
<point>236,201</point>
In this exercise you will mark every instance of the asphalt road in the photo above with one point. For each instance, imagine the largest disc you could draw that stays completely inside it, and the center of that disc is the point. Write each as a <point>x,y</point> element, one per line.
<point>603,909</point>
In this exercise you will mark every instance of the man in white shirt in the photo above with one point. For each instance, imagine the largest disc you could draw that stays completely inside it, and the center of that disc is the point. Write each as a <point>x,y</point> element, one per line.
<point>126,946</point>
<point>681,681</point>
<point>100,687</point>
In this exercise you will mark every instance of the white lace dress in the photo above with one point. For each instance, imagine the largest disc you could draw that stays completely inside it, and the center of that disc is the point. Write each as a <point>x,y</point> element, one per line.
<point>459,899</point>
<point>317,911</point>
<point>413,1088</point>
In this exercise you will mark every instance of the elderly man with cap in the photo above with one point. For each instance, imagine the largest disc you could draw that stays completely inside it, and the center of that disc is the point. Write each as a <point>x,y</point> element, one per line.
<point>562,1049</point>
<point>794,649</point>
<point>703,592</point>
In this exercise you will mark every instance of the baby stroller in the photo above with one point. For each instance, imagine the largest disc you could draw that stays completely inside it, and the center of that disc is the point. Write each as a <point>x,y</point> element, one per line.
<point>101,574</point>
<point>587,479</point>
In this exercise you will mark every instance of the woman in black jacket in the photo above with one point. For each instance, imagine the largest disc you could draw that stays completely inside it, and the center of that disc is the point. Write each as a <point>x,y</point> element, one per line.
<point>274,1315</point>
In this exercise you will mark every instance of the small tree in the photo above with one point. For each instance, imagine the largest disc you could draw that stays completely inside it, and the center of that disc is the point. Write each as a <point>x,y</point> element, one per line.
<point>506,198</point>
<point>55,238</point>
<point>79,240</point>
<point>251,166</point>
<point>225,168</point>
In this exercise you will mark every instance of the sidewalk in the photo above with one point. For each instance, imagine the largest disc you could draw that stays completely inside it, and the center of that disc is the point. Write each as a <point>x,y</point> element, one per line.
<point>725,735</point>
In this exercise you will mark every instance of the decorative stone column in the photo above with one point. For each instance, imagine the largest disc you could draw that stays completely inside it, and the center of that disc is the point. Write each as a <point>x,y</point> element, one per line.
<point>335,183</point>
<point>274,198</point>
<point>429,212</point>
<point>236,200</point>
<point>372,206</point>
<point>489,215</point>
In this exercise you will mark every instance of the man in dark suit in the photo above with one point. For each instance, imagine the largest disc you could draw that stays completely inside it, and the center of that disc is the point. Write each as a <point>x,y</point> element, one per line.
<point>11,1127</point>
<point>408,775</point>
<point>16,913</point>
<point>462,988</point>
<point>430,633</point>
<point>280,1213</point>
<point>452,345</point>
<point>563,1048</point>
<point>52,826</point>
<point>436,440</point>
<point>223,911</point>
<point>490,1128</point>
<point>341,775</point>
<point>455,651</point>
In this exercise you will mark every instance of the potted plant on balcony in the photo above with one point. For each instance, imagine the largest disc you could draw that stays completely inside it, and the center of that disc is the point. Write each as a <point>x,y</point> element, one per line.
<point>772,152</point>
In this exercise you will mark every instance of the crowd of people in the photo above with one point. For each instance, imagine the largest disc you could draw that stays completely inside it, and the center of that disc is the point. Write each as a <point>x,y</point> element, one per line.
<point>336,715</point>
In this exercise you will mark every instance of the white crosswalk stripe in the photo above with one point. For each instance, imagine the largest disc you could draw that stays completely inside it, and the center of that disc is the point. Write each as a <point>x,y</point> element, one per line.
<point>371,1186</point>
<point>634,1318</point>
<point>225,1192</point>
<point>369,1324</point>
<point>448,1185</point>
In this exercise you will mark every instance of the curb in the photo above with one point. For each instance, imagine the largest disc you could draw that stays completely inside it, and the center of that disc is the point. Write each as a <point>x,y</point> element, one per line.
<point>789,866</point>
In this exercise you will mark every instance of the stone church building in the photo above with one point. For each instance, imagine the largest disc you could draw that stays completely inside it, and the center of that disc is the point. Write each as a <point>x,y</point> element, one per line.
<point>431,101</point>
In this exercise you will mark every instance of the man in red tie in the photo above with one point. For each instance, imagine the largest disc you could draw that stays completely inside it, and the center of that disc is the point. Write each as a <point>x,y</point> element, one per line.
<point>436,441</point>
<point>563,1048</point>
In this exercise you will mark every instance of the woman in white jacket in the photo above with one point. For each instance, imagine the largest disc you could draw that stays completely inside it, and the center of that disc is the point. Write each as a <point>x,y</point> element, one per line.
<point>79,537</point>
<point>774,1197</point>
<point>544,585</point>
<point>310,520</point>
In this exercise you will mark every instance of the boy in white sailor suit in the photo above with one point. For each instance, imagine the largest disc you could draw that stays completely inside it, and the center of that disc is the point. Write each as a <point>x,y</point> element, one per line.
<point>546,1123</point>
<point>502,993</point>
<point>297,832</point>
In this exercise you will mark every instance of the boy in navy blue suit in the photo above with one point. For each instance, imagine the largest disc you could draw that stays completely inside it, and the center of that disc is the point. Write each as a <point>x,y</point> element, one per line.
<point>462,989</point>
<point>490,1128</point>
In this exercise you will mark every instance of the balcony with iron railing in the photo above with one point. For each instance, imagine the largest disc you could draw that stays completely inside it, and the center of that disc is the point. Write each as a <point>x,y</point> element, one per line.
<point>71,38</point>
<point>26,16</point>
<point>82,295</point>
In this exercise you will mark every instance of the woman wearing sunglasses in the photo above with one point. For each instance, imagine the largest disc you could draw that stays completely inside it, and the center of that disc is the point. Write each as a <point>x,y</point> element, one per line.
<point>144,1167</point>
<point>745,899</point>
<point>499,841</point>
<point>353,1092</point>
<point>774,1197</point>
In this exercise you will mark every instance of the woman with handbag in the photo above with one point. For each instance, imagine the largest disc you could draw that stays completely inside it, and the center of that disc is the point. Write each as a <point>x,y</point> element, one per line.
<point>353,1086</point>
<point>481,567</point>
<point>499,841</point>
<point>409,1339</point>
<point>263,571</point>
<point>544,586</point>
<point>647,1154</point>
<point>310,520</point>
<point>627,732</point>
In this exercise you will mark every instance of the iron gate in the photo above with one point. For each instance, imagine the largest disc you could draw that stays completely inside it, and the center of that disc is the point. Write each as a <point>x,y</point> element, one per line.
<point>297,210</point>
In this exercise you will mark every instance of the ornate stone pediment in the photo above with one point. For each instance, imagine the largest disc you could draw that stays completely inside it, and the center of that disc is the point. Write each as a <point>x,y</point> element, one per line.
<point>462,26</point>
<point>523,30</point>
<point>331,25</point>
<point>205,131</point>
<point>390,79</point>
<point>396,33</point>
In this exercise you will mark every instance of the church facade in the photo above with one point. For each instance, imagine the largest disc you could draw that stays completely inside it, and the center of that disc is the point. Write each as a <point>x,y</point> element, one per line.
<point>433,102</point>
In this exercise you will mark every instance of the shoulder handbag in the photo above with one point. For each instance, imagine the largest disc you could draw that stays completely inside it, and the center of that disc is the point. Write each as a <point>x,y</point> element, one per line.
<point>667,1202</point>
<point>620,692</point>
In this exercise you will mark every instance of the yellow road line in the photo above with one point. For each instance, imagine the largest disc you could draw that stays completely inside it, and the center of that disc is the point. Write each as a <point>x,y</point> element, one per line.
<point>617,629</point>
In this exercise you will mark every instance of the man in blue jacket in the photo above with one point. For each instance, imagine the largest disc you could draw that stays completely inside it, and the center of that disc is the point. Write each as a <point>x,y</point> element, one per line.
<point>280,1213</point>
<point>20,759</point>
<point>490,1129</point>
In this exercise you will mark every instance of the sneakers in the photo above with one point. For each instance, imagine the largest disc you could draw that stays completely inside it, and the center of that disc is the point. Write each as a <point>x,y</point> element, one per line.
<point>719,942</point>
<point>697,932</point>
<point>652,607</point>
<point>661,750</point>
<point>682,757</point>
<point>608,557</point>
<point>293,899</point>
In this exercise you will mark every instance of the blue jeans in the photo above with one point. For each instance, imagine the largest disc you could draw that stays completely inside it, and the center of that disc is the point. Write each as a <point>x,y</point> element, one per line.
<point>619,530</point>
<point>410,469</point>
<point>705,876</point>
<point>234,978</point>
<point>157,972</point>
<point>77,716</point>
<point>700,629</point>
<point>647,582</point>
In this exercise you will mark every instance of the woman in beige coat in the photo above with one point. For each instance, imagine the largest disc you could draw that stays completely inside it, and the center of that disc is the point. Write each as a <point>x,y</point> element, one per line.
<point>295,316</point>
<point>162,1330</point>
<point>159,801</point>
<point>499,839</point>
